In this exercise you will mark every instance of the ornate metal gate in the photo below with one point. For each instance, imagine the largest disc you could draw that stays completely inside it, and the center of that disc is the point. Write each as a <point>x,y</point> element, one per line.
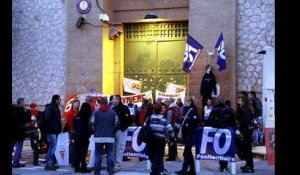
<point>154,54</point>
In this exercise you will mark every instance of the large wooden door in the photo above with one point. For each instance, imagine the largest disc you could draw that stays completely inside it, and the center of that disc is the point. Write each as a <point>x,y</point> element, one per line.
<point>154,54</point>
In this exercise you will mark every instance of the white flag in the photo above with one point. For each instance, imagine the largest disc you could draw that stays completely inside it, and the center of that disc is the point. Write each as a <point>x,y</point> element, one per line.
<point>175,88</point>
<point>132,86</point>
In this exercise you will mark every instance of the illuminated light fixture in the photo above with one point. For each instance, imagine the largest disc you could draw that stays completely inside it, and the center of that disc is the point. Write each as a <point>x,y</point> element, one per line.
<point>150,16</point>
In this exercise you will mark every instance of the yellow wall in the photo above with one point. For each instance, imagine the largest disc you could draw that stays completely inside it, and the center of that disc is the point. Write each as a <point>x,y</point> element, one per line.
<point>107,63</point>
<point>113,63</point>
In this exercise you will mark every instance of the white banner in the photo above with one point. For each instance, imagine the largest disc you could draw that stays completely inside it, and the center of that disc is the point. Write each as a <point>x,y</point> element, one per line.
<point>137,99</point>
<point>164,95</point>
<point>62,149</point>
<point>132,86</point>
<point>175,88</point>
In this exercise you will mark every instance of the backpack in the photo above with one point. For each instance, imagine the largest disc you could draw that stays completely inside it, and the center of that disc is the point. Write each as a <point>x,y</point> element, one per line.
<point>44,124</point>
<point>176,115</point>
<point>219,117</point>
<point>145,134</point>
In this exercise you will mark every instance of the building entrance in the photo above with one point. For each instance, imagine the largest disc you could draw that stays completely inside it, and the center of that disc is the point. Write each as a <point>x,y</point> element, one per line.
<point>154,54</point>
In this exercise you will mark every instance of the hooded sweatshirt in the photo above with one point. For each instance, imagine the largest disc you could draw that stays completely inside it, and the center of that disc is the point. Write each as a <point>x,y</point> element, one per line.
<point>103,123</point>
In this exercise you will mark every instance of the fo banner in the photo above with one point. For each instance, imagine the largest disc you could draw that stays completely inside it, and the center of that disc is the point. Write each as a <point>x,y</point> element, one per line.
<point>134,147</point>
<point>215,144</point>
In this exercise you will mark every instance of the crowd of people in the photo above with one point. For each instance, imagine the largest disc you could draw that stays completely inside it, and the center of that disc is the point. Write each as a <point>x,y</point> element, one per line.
<point>108,120</point>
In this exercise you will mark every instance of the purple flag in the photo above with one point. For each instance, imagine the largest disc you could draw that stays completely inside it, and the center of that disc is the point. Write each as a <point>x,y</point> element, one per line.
<point>220,48</point>
<point>192,50</point>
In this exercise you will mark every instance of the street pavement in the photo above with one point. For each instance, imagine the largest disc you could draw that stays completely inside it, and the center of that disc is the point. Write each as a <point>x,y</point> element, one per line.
<point>136,167</point>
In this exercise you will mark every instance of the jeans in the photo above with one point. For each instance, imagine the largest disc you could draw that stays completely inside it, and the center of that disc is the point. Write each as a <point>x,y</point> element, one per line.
<point>110,157</point>
<point>257,136</point>
<point>120,146</point>
<point>18,151</point>
<point>52,140</point>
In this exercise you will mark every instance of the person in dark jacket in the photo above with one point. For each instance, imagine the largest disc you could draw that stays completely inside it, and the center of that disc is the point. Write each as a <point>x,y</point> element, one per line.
<point>104,123</point>
<point>20,125</point>
<point>53,119</point>
<point>227,120</point>
<point>246,115</point>
<point>189,126</point>
<point>121,134</point>
<point>161,129</point>
<point>208,85</point>
<point>81,137</point>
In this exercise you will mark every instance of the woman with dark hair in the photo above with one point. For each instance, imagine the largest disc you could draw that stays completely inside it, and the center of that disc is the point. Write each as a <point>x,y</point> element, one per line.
<point>189,125</point>
<point>161,130</point>
<point>81,137</point>
<point>245,117</point>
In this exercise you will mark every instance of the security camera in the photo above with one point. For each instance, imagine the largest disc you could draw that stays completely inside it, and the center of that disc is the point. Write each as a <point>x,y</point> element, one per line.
<point>104,17</point>
<point>114,33</point>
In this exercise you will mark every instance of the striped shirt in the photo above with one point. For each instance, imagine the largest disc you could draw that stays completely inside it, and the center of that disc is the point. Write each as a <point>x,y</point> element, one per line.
<point>160,127</point>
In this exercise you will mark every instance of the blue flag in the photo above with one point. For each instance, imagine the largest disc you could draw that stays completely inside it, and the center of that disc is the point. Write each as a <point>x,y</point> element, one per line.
<point>220,48</point>
<point>192,50</point>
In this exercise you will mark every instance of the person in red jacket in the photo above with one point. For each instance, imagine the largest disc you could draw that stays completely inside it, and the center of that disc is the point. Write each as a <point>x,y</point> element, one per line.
<point>71,114</point>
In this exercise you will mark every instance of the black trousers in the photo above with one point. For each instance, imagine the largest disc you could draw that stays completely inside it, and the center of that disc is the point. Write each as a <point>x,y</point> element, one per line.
<point>80,150</point>
<point>71,149</point>
<point>156,149</point>
<point>172,152</point>
<point>34,142</point>
<point>247,148</point>
<point>188,161</point>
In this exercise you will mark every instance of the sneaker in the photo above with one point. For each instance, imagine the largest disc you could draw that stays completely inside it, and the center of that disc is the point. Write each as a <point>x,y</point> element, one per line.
<point>224,170</point>
<point>180,172</point>
<point>243,167</point>
<point>117,168</point>
<point>85,170</point>
<point>18,166</point>
<point>248,170</point>
<point>51,168</point>
<point>55,166</point>
<point>165,172</point>
<point>191,172</point>
<point>126,159</point>
<point>170,159</point>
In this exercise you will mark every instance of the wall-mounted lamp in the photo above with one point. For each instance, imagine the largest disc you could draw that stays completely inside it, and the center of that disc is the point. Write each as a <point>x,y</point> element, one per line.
<point>79,21</point>
<point>114,33</point>
<point>150,16</point>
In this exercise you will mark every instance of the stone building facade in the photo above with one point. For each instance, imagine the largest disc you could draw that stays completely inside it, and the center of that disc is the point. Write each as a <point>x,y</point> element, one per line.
<point>255,30</point>
<point>38,49</point>
<point>52,56</point>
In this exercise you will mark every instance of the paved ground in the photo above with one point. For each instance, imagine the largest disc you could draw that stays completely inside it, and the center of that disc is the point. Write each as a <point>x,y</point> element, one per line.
<point>135,167</point>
